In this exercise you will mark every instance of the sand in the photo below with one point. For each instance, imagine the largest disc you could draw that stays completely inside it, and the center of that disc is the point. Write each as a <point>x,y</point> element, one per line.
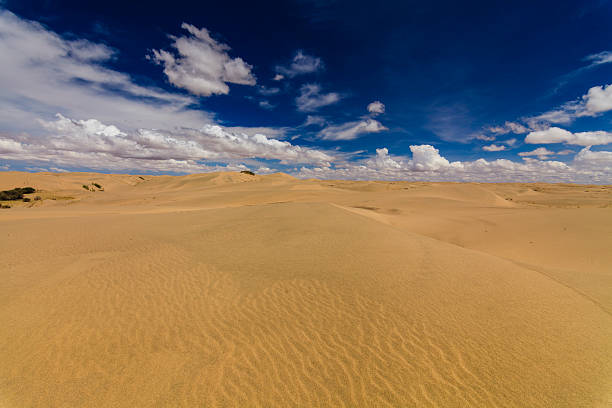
<point>231,290</point>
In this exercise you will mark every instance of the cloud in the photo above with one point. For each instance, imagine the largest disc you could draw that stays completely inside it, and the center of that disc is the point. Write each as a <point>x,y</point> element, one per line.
<point>94,144</point>
<point>300,65</point>
<point>376,108</point>
<point>427,157</point>
<point>509,142</point>
<point>314,120</point>
<point>596,101</point>
<point>603,57</point>
<point>600,163</point>
<point>493,148</point>
<point>278,77</point>
<point>426,164</point>
<point>202,65</point>
<point>266,105</point>
<point>351,130</point>
<point>558,135</point>
<point>43,73</point>
<point>541,152</point>
<point>487,138</point>
<point>267,91</point>
<point>311,98</point>
<point>507,128</point>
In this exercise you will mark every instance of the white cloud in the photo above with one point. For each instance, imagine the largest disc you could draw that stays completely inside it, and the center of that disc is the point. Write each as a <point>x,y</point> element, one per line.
<point>278,77</point>
<point>558,135</point>
<point>266,105</point>
<point>43,73</point>
<point>540,152</point>
<point>596,101</point>
<point>314,120</point>
<point>507,128</point>
<point>426,164</point>
<point>376,108</point>
<point>509,142</point>
<point>599,163</point>
<point>300,65</point>
<point>351,130</point>
<point>311,98</point>
<point>427,157</point>
<point>202,66</point>
<point>493,148</point>
<point>267,91</point>
<point>487,138</point>
<point>93,144</point>
<point>603,57</point>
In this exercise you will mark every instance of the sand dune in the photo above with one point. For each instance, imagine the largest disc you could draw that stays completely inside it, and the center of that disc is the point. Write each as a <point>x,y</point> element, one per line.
<point>231,290</point>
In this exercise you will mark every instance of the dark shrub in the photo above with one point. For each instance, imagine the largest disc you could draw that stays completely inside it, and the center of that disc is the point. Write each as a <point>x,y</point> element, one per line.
<point>86,187</point>
<point>250,173</point>
<point>26,200</point>
<point>37,198</point>
<point>97,185</point>
<point>16,193</point>
<point>5,206</point>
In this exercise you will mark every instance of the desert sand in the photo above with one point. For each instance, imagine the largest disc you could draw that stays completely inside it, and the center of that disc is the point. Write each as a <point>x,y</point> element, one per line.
<point>232,290</point>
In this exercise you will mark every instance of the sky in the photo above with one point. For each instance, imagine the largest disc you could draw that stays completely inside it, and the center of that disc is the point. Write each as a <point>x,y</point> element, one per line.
<point>433,91</point>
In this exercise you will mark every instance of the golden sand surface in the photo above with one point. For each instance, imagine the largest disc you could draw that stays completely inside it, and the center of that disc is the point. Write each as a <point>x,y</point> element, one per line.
<point>231,290</point>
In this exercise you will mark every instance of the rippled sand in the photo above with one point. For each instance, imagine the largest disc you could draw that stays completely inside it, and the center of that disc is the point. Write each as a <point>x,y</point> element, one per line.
<point>234,290</point>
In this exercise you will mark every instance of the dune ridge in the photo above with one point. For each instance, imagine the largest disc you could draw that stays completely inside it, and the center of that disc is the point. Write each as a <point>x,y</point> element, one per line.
<point>227,289</point>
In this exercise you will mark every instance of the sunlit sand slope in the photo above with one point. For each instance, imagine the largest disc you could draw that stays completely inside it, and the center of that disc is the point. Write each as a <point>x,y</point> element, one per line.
<point>235,290</point>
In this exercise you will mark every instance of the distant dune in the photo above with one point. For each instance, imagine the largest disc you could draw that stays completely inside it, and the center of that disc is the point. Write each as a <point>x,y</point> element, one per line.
<point>233,290</point>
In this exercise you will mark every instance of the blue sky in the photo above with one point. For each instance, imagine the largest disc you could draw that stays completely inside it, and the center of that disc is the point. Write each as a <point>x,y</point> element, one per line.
<point>476,91</point>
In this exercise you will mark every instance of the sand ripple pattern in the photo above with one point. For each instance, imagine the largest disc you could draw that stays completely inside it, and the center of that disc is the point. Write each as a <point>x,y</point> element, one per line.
<point>164,312</point>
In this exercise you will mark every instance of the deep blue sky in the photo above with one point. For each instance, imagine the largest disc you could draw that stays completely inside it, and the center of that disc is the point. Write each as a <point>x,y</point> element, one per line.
<point>446,71</point>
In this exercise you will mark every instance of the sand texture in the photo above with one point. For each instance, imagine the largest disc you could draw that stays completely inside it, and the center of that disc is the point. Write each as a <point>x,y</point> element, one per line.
<point>231,290</point>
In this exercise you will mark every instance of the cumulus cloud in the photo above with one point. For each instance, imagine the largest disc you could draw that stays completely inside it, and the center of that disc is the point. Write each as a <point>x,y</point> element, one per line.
<point>202,65</point>
<point>278,77</point>
<point>426,164</point>
<point>43,73</point>
<point>351,130</point>
<point>300,65</point>
<point>596,101</point>
<point>93,144</point>
<point>376,108</point>
<point>558,135</point>
<point>600,163</point>
<point>311,98</point>
<point>427,157</point>
<point>541,152</point>
<point>493,148</point>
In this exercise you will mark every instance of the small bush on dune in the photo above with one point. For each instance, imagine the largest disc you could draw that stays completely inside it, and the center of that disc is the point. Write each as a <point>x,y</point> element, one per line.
<point>26,200</point>
<point>250,173</point>
<point>86,187</point>
<point>16,193</point>
<point>5,206</point>
<point>37,198</point>
<point>96,185</point>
